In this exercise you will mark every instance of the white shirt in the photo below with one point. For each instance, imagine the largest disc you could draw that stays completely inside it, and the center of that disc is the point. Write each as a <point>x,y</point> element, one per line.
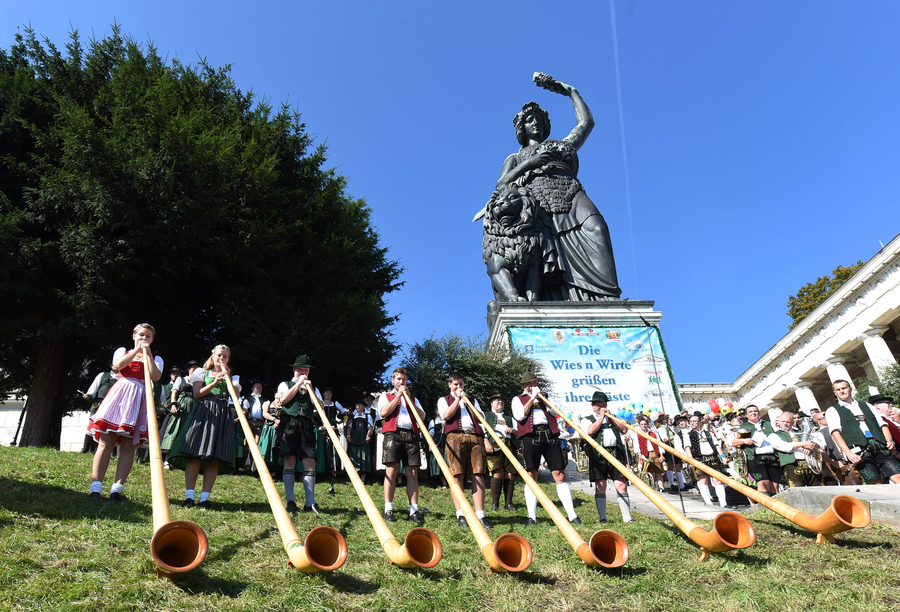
<point>120,352</point>
<point>404,420</point>
<point>465,419</point>
<point>539,416</point>
<point>283,388</point>
<point>255,405</point>
<point>435,421</point>
<point>502,428</point>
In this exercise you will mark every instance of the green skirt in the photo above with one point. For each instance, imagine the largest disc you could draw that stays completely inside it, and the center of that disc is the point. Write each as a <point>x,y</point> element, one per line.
<point>176,422</point>
<point>269,446</point>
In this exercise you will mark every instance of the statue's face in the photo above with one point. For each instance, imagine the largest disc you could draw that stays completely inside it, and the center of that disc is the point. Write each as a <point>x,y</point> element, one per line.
<point>534,126</point>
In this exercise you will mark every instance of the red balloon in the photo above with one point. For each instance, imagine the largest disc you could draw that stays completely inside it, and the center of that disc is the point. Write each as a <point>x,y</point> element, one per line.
<point>713,405</point>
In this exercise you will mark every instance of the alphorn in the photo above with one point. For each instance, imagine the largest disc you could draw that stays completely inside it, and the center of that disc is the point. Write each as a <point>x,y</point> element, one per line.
<point>422,548</point>
<point>606,549</point>
<point>510,552</point>
<point>324,549</point>
<point>730,529</point>
<point>177,546</point>
<point>846,512</point>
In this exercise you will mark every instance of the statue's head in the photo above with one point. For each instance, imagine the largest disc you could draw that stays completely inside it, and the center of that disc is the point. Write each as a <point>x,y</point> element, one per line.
<point>519,122</point>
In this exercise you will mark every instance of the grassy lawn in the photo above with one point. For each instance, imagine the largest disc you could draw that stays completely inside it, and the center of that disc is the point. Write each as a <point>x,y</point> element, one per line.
<point>59,550</point>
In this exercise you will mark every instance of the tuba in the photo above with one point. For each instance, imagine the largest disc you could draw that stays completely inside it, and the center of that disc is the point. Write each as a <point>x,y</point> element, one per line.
<point>814,459</point>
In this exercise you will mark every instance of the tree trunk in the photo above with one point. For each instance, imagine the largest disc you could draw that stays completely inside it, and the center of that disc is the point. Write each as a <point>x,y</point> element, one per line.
<point>43,396</point>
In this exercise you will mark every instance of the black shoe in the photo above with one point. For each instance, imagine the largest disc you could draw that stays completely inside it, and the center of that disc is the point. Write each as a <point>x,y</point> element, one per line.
<point>495,507</point>
<point>576,521</point>
<point>730,507</point>
<point>416,517</point>
<point>462,522</point>
<point>530,522</point>
<point>425,510</point>
<point>485,523</point>
<point>94,495</point>
<point>188,503</point>
<point>292,507</point>
<point>115,497</point>
<point>603,521</point>
<point>509,507</point>
<point>205,505</point>
<point>389,516</point>
<point>314,508</point>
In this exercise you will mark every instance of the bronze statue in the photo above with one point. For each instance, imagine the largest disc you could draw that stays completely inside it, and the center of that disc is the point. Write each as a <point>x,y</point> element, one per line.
<point>564,230</point>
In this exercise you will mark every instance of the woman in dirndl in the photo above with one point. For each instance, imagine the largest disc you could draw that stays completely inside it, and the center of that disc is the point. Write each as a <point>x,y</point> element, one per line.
<point>359,433</point>
<point>181,406</point>
<point>703,447</point>
<point>207,442</point>
<point>122,416</point>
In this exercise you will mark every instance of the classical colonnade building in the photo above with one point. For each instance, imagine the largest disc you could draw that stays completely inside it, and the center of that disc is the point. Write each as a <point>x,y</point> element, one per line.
<point>854,333</point>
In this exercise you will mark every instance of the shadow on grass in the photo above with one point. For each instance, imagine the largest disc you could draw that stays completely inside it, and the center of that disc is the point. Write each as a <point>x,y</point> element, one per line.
<point>346,583</point>
<point>198,581</point>
<point>55,502</point>
<point>533,578</point>
<point>225,553</point>
<point>845,543</point>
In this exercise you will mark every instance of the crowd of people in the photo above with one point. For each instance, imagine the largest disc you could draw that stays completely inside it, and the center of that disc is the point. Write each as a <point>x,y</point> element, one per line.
<point>850,443</point>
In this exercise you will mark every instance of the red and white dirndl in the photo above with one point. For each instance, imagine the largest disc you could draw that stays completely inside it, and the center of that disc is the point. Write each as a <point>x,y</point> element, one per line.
<point>124,409</point>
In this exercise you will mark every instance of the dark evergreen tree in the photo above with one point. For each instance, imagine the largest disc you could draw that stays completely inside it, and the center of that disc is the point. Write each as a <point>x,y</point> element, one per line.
<point>134,189</point>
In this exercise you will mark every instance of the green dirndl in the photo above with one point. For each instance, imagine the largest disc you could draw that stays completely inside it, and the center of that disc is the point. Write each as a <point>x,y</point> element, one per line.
<point>325,458</point>
<point>208,434</point>
<point>269,444</point>
<point>440,440</point>
<point>176,422</point>
<point>238,437</point>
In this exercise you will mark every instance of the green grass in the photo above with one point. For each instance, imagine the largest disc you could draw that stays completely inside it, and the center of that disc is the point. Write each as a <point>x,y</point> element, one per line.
<point>60,550</point>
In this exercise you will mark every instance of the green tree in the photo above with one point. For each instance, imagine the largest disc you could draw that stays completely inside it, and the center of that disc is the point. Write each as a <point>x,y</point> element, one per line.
<point>887,382</point>
<point>487,370</point>
<point>135,189</point>
<point>811,295</point>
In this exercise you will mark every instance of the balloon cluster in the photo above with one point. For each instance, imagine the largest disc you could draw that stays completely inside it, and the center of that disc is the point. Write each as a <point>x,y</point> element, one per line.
<point>715,408</point>
<point>628,412</point>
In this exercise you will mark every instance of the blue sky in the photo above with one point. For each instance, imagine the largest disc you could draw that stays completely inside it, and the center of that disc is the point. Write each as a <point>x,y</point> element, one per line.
<point>762,138</point>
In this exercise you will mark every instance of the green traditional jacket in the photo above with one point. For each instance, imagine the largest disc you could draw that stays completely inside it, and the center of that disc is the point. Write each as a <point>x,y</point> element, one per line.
<point>751,429</point>
<point>784,458</point>
<point>598,437</point>
<point>850,429</point>
<point>301,405</point>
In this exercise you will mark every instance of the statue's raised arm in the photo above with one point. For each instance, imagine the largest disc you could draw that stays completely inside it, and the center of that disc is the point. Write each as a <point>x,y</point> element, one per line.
<point>582,130</point>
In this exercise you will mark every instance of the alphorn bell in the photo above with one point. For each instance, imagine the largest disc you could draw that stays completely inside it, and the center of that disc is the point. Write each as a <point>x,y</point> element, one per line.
<point>607,549</point>
<point>177,546</point>
<point>510,552</point>
<point>422,548</point>
<point>846,512</point>
<point>730,529</point>
<point>324,549</point>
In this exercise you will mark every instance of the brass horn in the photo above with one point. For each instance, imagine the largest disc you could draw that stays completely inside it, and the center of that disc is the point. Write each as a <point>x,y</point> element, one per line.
<point>607,549</point>
<point>422,548</point>
<point>324,549</point>
<point>177,546</point>
<point>846,512</point>
<point>510,552</point>
<point>730,529</point>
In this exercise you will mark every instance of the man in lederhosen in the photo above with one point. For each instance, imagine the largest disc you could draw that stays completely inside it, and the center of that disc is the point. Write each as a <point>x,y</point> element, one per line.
<point>539,435</point>
<point>862,436</point>
<point>762,460</point>
<point>401,440</point>
<point>502,469</point>
<point>792,452</point>
<point>609,435</point>
<point>254,407</point>
<point>297,428</point>
<point>464,447</point>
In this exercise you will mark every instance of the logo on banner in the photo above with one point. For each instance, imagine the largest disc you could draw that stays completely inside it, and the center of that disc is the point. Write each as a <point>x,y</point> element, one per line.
<point>612,335</point>
<point>529,349</point>
<point>560,336</point>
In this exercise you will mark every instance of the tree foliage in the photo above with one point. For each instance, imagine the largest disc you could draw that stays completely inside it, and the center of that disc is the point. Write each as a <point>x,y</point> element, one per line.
<point>487,370</point>
<point>887,382</point>
<point>138,189</point>
<point>811,295</point>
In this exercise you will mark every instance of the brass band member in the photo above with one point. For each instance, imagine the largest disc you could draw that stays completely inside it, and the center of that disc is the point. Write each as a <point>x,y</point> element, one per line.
<point>401,440</point>
<point>862,435</point>
<point>609,435</point>
<point>650,454</point>
<point>502,470</point>
<point>464,447</point>
<point>792,453</point>
<point>539,435</point>
<point>297,428</point>
<point>762,462</point>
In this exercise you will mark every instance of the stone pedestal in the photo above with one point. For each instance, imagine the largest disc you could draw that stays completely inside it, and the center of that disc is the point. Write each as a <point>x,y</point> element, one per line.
<point>611,313</point>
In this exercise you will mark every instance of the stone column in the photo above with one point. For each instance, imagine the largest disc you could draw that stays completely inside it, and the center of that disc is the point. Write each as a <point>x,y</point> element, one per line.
<point>805,397</point>
<point>773,410</point>
<point>877,349</point>
<point>836,371</point>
